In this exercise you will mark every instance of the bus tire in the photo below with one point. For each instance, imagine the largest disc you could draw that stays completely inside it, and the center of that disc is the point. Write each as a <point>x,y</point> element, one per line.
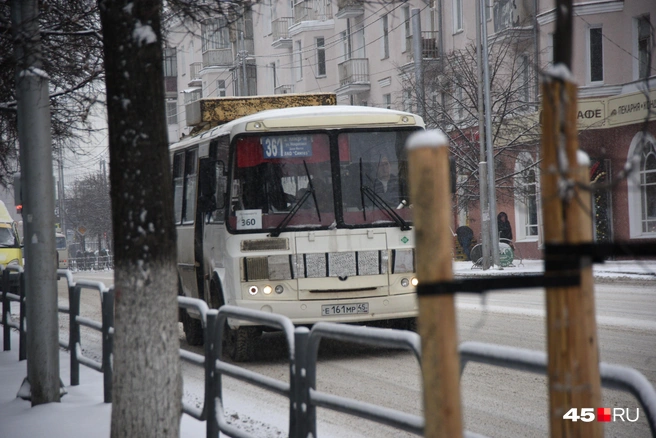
<point>240,344</point>
<point>193,329</point>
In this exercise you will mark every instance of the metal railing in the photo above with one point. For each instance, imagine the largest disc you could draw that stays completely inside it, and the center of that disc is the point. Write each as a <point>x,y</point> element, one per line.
<point>311,10</point>
<point>91,262</point>
<point>194,71</point>
<point>353,71</point>
<point>280,28</point>
<point>218,57</point>
<point>302,354</point>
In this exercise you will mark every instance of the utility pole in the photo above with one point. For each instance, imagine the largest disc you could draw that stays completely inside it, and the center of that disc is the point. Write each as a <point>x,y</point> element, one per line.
<point>418,56</point>
<point>242,52</point>
<point>62,198</point>
<point>42,382</point>
<point>491,179</point>
<point>482,165</point>
<point>572,341</point>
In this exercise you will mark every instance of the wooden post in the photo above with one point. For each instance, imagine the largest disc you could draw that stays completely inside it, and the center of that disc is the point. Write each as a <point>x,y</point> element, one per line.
<point>573,366</point>
<point>428,158</point>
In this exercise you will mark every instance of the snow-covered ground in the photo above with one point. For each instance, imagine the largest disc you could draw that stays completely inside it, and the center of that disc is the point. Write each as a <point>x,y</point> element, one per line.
<point>82,412</point>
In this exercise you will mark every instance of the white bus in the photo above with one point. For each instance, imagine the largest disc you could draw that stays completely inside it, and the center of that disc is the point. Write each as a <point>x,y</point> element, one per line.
<point>298,211</point>
<point>62,251</point>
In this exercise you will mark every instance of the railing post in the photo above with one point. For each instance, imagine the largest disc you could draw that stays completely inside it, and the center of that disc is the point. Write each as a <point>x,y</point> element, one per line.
<point>572,340</point>
<point>107,341</point>
<point>74,332</point>
<point>299,426</point>
<point>212,382</point>
<point>430,192</point>
<point>22,338</point>
<point>6,310</point>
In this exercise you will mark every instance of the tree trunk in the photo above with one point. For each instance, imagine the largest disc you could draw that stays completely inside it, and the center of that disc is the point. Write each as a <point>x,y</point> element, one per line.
<point>147,385</point>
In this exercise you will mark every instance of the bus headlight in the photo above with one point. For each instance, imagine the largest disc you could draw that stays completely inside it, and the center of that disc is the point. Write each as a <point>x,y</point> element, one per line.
<point>279,289</point>
<point>405,282</point>
<point>414,281</point>
<point>253,290</point>
<point>13,262</point>
<point>267,290</point>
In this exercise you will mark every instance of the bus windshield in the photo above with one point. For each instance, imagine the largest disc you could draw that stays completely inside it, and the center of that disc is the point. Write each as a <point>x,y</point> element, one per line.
<point>291,181</point>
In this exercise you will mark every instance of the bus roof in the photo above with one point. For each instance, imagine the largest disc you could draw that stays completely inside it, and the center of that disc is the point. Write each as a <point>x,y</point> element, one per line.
<point>338,116</point>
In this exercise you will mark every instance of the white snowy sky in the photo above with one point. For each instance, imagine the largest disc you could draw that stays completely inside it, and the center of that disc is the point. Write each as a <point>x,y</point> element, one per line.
<point>83,414</point>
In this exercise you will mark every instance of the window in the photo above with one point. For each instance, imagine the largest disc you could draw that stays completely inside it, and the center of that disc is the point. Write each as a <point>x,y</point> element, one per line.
<point>595,55</point>
<point>407,34</point>
<point>523,77</point>
<point>407,100</point>
<point>178,186</point>
<point>384,48</point>
<point>321,56</point>
<point>172,112</point>
<point>526,198</point>
<point>644,46</point>
<point>170,62</point>
<point>504,11</point>
<point>215,34</point>
<point>642,186</point>
<point>358,42</point>
<point>387,101</point>
<point>457,16</point>
<point>298,61</point>
<point>221,87</point>
<point>550,48</point>
<point>191,170</point>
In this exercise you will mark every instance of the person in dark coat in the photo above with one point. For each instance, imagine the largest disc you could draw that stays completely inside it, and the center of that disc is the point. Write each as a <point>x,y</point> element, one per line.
<point>505,230</point>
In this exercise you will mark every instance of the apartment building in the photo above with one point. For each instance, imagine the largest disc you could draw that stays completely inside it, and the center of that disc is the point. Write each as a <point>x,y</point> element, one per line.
<point>363,51</point>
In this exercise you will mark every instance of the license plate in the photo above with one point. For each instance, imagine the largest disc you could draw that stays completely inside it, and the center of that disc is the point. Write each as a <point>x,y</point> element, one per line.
<point>344,309</point>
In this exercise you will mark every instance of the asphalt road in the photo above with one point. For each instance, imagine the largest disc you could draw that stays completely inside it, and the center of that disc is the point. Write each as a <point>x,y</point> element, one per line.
<point>497,402</point>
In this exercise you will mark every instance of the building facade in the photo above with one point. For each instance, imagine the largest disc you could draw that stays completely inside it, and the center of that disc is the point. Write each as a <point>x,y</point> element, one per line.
<point>363,51</point>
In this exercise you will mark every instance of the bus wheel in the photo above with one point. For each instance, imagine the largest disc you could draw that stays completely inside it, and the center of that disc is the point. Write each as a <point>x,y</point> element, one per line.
<point>193,329</point>
<point>240,343</point>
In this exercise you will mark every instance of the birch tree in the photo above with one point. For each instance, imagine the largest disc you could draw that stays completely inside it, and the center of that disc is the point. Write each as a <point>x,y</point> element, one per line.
<point>147,386</point>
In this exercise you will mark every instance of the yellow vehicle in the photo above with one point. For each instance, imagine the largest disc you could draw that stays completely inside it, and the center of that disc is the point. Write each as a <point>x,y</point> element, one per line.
<point>10,244</point>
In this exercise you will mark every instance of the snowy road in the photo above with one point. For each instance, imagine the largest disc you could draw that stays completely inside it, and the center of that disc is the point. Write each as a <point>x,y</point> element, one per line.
<point>497,402</point>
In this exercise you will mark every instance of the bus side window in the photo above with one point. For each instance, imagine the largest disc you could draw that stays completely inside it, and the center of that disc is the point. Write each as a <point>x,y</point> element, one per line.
<point>207,189</point>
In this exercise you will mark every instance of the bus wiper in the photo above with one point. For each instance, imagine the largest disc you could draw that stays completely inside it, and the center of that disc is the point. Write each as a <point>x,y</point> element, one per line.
<point>309,191</point>
<point>383,205</point>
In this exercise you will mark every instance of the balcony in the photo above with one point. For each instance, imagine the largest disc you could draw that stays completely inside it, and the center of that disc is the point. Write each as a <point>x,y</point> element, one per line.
<point>353,76</point>
<point>280,28</point>
<point>218,58</point>
<point>429,45</point>
<point>349,8</point>
<point>312,10</point>
<point>194,74</point>
<point>284,89</point>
